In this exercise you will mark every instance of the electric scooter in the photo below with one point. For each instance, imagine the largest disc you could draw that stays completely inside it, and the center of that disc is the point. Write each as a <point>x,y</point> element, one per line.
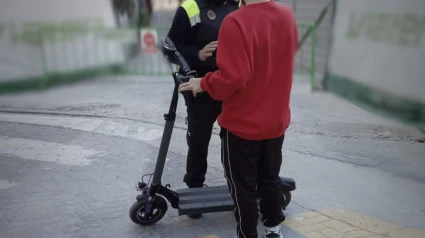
<point>151,204</point>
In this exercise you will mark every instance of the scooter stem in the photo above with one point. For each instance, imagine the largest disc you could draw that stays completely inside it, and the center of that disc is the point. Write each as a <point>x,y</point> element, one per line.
<point>166,138</point>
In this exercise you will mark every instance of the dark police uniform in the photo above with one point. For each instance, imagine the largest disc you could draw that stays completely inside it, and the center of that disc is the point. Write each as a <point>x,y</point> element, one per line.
<point>196,24</point>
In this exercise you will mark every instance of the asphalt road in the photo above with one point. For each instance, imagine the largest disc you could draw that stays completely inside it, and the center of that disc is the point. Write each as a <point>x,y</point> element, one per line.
<point>70,155</point>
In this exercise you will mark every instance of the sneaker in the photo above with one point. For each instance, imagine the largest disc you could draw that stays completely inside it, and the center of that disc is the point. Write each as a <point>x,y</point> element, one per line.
<point>273,232</point>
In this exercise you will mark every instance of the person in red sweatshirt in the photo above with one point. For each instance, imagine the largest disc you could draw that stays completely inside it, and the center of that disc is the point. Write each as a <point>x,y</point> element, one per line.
<point>256,49</point>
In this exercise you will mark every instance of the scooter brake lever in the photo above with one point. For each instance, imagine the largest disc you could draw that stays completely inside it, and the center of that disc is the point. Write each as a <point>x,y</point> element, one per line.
<point>183,79</point>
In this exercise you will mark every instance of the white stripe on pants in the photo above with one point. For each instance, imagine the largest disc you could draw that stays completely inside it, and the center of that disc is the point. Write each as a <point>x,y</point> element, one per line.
<point>231,182</point>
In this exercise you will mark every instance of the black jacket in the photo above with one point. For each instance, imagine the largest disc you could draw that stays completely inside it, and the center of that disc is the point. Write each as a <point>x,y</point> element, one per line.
<point>189,40</point>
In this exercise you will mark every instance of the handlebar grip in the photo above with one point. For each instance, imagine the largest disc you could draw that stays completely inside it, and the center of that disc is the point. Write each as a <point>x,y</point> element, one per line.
<point>183,79</point>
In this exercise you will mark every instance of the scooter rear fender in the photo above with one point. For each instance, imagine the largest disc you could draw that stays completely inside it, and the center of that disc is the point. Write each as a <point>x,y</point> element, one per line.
<point>288,184</point>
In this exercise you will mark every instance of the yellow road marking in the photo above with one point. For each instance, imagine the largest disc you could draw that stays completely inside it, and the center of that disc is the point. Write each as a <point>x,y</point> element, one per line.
<point>340,223</point>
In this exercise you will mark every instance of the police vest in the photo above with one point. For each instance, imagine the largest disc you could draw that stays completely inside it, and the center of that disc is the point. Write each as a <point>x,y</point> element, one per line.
<point>205,20</point>
<point>193,9</point>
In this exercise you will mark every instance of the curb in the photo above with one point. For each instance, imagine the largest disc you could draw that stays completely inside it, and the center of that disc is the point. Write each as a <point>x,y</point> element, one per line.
<point>56,79</point>
<point>378,102</point>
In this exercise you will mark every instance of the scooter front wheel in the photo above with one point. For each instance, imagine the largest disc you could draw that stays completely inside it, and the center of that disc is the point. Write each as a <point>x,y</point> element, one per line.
<point>138,215</point>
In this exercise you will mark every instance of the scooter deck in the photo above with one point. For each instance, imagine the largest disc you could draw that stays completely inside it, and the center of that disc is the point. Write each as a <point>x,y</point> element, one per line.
<point>204,200</point>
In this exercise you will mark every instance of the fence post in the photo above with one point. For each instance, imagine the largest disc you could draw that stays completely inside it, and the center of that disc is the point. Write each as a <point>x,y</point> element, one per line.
<point>302,51</point>
<point>44,66</point>
<point>313,58</point>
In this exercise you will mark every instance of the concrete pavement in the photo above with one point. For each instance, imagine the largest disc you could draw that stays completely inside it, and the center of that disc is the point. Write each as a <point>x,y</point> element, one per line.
<point>70,158</point>
<point>322,124</point>
<point>65,182</point>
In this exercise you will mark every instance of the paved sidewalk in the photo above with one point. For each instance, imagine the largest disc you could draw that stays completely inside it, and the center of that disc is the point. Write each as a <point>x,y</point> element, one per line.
<point>69,162</point>
<point>74,182</point>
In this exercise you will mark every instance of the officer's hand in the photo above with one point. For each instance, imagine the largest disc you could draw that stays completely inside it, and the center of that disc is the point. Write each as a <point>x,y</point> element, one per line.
<point>208,50</point>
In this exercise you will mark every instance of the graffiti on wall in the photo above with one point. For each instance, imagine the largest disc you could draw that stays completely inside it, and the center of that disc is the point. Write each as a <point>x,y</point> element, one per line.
<point>405,30</point>
<point>377,54</point>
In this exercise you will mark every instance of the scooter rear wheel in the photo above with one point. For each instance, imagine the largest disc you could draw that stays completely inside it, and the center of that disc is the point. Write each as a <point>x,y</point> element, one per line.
<point>137,211</point>
<point>286,199</point>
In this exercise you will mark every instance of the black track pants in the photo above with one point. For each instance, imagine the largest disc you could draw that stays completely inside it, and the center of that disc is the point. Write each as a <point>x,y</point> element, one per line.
<point>252,172</point>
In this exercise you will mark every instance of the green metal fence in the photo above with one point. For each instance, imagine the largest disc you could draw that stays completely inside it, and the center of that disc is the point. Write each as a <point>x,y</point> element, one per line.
<point>76,49</point>
<point>72,50</point>
<point>155,65</point>
<point>41,56</point>
<point>68,54</point>
<point>305,63</point>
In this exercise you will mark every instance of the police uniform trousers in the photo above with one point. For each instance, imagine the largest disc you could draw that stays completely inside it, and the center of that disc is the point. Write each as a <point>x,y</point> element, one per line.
<point>202,112</point>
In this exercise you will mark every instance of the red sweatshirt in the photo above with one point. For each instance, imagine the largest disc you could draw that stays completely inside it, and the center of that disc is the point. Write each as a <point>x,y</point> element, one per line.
<point>256,50</point>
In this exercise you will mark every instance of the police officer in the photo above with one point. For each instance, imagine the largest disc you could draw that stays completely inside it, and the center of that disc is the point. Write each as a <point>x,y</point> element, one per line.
<point>194,31</point>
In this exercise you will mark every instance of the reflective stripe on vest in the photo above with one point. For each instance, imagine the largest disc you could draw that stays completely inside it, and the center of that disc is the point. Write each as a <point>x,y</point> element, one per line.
<point>192,11</point>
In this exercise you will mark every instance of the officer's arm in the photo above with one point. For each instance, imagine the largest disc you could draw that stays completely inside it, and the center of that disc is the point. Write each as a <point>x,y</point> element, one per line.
<point>233,61</point>
<point>181,35</point>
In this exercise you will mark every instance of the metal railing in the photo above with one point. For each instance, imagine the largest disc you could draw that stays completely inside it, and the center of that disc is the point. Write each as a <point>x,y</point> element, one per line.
<point>155,65</point>
<point>305,62</point>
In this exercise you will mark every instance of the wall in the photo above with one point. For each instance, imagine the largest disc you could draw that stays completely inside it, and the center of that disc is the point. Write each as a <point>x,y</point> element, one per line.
<point>377,56</point>
<point>51,36</point>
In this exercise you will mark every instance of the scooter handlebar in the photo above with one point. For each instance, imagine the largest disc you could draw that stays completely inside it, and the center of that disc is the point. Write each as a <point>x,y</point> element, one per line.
<point>183,78</point>
<point>174,56</point>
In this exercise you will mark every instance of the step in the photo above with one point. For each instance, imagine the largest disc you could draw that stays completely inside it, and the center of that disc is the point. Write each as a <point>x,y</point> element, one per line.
<point>204,200</point>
